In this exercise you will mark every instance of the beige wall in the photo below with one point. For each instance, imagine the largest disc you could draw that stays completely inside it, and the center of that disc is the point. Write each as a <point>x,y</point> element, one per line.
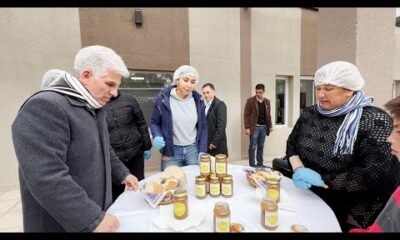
<point>374,56</point>
<point>276,51</point>
<point>32,41</point>
<point>245,71</point>
<point>215,52</point>
<point>309,35</point>
<point>396,54</point>
<point>363,36</point>
<point>160,43</point>
<point>336,35</point>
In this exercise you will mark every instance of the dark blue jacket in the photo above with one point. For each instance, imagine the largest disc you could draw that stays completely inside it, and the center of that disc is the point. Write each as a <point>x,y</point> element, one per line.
<point>161,121</point>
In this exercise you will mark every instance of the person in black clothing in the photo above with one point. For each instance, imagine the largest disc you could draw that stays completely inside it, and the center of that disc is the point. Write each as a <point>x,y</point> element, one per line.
<point>129,136</point>
<point>216,121</point>
<point>339,148</point>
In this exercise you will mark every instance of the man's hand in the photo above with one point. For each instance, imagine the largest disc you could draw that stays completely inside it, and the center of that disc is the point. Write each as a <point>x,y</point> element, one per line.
<point>247,131</point>
<point>131,182</point>
<point>108,224</point>
<point>212,146</point>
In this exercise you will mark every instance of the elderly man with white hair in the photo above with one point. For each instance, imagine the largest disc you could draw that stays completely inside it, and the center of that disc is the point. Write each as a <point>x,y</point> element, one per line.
<point>339,148</point>
<point>178,122</point>
<point>62,145</point>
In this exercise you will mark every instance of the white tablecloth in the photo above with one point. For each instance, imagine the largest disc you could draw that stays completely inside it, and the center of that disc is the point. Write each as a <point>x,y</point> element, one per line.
<point>135,215</point>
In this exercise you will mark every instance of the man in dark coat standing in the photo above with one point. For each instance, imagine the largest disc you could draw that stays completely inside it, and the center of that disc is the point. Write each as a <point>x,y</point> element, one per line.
<point>257,124</point>
<point>62,145</point>
<point>216,121</point>
<point>129,135</point>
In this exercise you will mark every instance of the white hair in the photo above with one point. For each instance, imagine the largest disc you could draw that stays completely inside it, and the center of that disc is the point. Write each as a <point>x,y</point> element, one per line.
<point>99,60</point>
<point>50,77</point>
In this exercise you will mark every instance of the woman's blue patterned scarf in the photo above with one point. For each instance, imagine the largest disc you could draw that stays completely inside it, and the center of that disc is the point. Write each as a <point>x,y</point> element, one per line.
<point>347,133</point>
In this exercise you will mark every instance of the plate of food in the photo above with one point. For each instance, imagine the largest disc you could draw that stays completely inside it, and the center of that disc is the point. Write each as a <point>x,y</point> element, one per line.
<point>160,191</point>
<point>258,176</point>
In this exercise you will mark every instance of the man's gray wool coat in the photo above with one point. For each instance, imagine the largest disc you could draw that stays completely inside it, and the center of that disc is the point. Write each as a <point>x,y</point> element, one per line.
<point>65,164</point>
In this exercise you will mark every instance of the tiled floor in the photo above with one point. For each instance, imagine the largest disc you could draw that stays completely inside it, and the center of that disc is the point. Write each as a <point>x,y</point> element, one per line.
<point>10,203</point>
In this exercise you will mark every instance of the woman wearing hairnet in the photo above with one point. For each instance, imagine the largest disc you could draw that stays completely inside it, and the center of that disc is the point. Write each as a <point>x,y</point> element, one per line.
<point>339,148</point>
<point>178,122</point>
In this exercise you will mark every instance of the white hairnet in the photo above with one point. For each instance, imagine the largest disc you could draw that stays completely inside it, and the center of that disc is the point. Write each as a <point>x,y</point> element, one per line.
<point>186,70</point>
<point>341,74</point>
<point>50,76</point>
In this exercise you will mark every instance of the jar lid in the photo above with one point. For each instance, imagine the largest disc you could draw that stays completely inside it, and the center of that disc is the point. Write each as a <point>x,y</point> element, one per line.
<point>214,177</point>
<point>227,177</point>
<point>180,193</point>
<point>201,178</point>
<point>220,156</point>
<point>205,155</point>
<point>273,180</point>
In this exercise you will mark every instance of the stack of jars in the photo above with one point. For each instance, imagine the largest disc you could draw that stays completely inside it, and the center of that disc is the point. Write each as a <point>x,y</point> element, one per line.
<point>214,180</point>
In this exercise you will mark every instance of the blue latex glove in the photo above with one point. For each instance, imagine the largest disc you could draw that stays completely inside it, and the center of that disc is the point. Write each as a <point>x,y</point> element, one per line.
<point>308,175</point>
<point>301,184</point>
<point>158,142</point>
<point>199,156</point>
<point>147,155</point>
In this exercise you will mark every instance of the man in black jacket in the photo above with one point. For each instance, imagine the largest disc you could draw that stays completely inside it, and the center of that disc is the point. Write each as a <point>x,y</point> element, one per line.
<point>216,121</point>
<point>129,135</point>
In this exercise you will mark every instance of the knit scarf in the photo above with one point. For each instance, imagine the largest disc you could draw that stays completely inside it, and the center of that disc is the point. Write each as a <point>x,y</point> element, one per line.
<point>347,133</point>
<point>69,85</point>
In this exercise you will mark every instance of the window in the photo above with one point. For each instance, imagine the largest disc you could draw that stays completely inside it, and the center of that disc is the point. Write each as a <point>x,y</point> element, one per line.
<point>396,88</point>
<point>145,86</point>
<point>281,103</point>
<point>307,92</point>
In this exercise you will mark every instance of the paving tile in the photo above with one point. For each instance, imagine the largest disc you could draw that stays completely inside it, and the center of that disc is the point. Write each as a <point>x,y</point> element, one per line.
<point>12,194</point>
<point>16,208</point>
<point>6,205</point>
<point>12,229</point>
<point>10,220</point>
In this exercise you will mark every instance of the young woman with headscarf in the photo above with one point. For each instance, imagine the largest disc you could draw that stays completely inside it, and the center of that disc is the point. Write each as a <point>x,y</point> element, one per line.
<point>178,122</point>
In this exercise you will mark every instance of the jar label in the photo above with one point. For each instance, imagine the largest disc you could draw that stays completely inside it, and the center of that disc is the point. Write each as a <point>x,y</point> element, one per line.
<point>271,219</point>
<point>214,189</point>
<point>204,167</point>
<point>222,224</point>
<point>201,190</point>
<point>179,209</point>
<point>220,168</point>
<point>273,193</point>
<point>227,189</point>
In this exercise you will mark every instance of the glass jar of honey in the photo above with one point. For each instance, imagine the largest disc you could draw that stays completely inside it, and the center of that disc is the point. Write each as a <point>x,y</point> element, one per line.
<point>227,186</point>
<point>205,164</point>
<point>180,206</point>
<point>221,165</point>
<point>273,188</point>
<point>222,217</point>
<point>269,214</point>
<point>215,186</point>
<point>201,191</point>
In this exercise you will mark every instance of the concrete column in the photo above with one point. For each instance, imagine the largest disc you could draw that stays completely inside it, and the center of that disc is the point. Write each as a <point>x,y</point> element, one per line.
<point>364,37</point>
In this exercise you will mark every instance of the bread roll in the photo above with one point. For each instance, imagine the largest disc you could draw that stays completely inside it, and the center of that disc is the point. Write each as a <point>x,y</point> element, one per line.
<point>171,183</point>
<point>175,171</point>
